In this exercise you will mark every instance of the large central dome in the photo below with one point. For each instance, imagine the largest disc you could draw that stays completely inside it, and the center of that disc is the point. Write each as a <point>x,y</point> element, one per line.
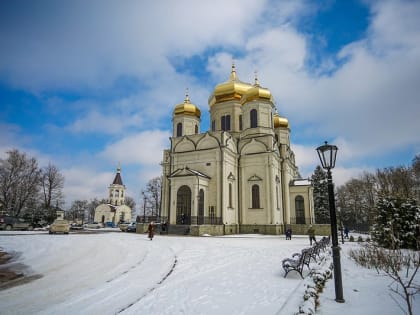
<point>233,89</point>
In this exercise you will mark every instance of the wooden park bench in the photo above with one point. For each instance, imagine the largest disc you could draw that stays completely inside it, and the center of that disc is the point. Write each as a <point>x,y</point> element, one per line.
<point>324,242</point>
<point>316,249</point>
<point>297,262</point>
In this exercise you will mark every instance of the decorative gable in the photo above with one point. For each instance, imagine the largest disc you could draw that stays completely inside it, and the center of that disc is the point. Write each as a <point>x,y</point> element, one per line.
<point>186,171</point>
<point>254,178</point>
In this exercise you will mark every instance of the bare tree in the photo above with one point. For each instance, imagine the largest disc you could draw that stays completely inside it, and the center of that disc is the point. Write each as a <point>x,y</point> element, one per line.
<point>416,175</point>
<point>78,210</point>
<point>52,183</point>
<point>396,181</point>
<point>153,192</point>
<point>19,182</point>
<point>355,200</point>
<point>130,202</point>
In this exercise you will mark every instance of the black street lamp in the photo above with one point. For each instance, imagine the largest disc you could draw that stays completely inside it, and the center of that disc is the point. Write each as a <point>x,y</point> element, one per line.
<point>327,154</point>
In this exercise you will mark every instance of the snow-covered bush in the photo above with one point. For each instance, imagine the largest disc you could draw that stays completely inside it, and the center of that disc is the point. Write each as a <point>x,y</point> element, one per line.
<point>401,265</point>
<point>320,273</point>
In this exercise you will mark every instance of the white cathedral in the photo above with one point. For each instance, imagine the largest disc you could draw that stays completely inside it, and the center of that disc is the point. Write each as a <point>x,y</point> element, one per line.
<point>238,177</point>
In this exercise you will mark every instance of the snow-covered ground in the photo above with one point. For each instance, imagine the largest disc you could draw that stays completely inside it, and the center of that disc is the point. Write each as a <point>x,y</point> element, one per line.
<point>120,273</point>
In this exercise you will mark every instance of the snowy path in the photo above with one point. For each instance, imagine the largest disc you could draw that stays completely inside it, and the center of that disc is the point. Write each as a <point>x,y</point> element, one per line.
<point>123,273</point>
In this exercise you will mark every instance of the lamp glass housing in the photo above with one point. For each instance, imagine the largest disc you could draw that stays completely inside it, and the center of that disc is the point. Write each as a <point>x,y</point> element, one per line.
<point>327,154</point>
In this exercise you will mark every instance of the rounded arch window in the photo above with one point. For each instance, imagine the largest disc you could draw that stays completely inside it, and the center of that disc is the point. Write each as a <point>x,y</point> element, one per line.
<point>254,118</point>
<point>255,194</point>
<point>300,209</point>
<point>179,130</point>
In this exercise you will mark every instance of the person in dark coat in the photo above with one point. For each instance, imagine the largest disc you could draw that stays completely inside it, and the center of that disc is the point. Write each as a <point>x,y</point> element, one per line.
<point>151,230</point>
<point>346,232</point>
<point>311,233</point>
<point>289,234</point>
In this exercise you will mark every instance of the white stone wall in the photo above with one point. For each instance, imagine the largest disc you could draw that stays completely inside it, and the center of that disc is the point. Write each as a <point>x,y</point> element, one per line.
<point>188,124</point>
<point>110,216</point>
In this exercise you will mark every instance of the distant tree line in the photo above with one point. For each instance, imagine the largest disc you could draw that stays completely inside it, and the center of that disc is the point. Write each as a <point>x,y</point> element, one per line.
<point>357,199</point>
<point>27,190</point>
<point>36,193</point>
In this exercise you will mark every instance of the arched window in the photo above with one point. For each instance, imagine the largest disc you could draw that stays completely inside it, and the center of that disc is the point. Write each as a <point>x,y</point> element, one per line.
<point>300,210</point>
<point>225,122</point>
<point>255,196</point>
<point>201,207</point>
<point>196,129</point>
<point>213,125</point>
<point>253,118</point>
<point>179,130</point>
<point>230,195</point>
<point>183,205</point>
<point>240,122</point>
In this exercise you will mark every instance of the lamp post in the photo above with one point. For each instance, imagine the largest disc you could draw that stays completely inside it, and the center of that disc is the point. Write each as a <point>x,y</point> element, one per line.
<point>341,226</point>
<point>327,154</point>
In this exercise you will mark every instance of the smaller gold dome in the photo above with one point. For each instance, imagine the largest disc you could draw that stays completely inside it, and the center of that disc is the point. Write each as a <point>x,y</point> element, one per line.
<point>187,108</point>
<point>280,122</point>
<point>257,92</point>
<point>233,89</point>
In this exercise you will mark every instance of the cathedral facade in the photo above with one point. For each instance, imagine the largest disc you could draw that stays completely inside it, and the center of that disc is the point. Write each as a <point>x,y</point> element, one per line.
<point>238,177</point>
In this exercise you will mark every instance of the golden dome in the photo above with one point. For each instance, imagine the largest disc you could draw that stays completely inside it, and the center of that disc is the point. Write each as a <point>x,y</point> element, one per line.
<point>280,121</point>
<point>187,108</point>
<point>257,93</point>
<point>233,89</point>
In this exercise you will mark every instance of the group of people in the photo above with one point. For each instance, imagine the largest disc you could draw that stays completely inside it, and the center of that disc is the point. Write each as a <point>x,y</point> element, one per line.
<point>311,234</point>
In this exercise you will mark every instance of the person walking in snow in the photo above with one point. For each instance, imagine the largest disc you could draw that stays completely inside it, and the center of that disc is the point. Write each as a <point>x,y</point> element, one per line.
<point>311,233</point>
<point>346,232</point>
<point>151,230</point>
<point>288,234</point>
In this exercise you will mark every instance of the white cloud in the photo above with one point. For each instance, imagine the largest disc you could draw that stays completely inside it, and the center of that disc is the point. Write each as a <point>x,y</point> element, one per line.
<point>141,148</point>
<point>95,121</point>
<point>79,45</point>
<point>371,103</point>
<point>368,106</point>
<point>85,184</point>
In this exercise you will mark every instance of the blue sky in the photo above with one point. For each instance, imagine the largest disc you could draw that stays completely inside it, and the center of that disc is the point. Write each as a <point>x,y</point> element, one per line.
<point>90,84</point>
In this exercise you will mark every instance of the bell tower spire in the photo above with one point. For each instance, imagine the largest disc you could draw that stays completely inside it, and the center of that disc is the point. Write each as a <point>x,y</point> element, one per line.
<point>117,189</point>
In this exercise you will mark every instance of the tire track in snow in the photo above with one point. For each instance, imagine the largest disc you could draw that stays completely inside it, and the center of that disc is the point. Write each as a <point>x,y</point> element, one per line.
<point>151,289</point>
<point>129,269</point>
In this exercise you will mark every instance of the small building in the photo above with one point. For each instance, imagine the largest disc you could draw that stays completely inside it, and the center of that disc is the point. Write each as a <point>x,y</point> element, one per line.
<point>115,211</point>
